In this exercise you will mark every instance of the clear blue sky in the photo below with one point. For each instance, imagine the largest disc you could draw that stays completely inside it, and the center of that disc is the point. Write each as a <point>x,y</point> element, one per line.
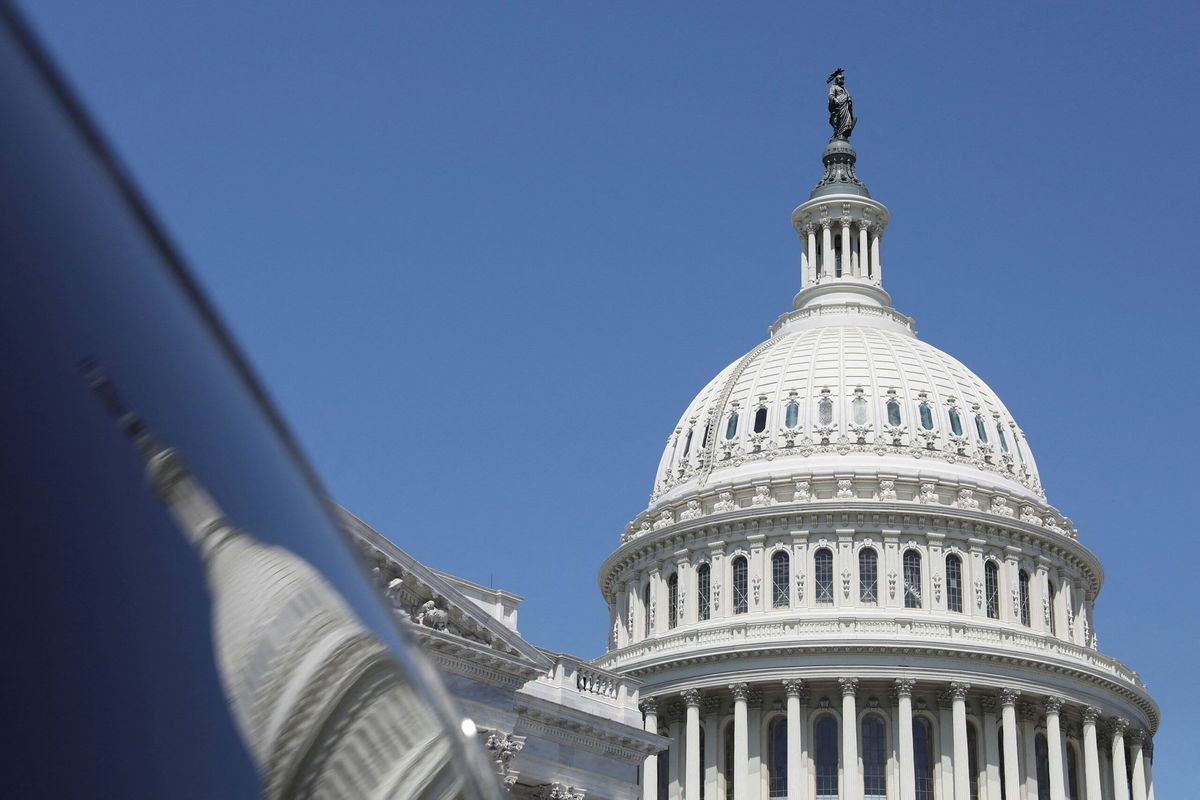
<point>484,254</point>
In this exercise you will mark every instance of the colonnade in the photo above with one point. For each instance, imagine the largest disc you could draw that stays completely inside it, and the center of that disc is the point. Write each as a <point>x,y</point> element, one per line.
<point>1079,762</point>
<point>857,241</point>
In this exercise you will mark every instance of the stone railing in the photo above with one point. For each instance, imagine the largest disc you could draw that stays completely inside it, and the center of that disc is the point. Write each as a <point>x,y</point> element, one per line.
<point>864,631</point>
<point>584,687</point>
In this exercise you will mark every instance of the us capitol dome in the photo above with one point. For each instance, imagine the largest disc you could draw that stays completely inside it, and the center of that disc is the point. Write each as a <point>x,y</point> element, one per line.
<point>849,582</point>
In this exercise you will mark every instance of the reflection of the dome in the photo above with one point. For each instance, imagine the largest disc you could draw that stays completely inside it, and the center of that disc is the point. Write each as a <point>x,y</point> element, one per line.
<point>321,704</point>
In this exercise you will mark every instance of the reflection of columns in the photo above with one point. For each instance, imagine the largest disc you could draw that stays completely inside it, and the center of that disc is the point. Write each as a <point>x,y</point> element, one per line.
<point>1054,749</point>
<point>649,708</point>
<point>812,254</point>
<point>1091,754</point>
<point>1029,718</point>
<point>795,764</point>
<point>908,774</point>
<point>1139,764</point>
<point>991,746</point>
<point>712,744</point>
<point>962,762</point>
<point>741,757</point>
<point>847,270</point>
<point>691,781</point>
<point>1008,717</point>
<point>864,268</point>
<point>828,261</point>
<point>852,788</point>
<point>1117,727</point>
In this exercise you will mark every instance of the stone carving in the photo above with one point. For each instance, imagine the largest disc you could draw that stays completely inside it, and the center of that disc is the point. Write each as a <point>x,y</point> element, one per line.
<point>1001,507</point>
<point>716,597</point>
<point>904,687</point>
<point>937,588</point>
<point>800,587</point>
<point>1136,737</point>
<point>691,697</point>
<point>757,584</point>
<point>1051,524</point>
<point>845,490</point>
<point>988,704</point>
<point>1090,714</point>
<point>740,691</point>
<point>928,494</point>
<point>1046,611</point>
<point>431,616</point>
<point>762,497</point>
<point>1028,516</point>
<point>756,697</point>
<point>802,493</point>
<point>664,519</point>
<point>958,691</point>
<point>725,502</point>
<point>887,490</point>
<point>648,705</point>
<point>849,685</point>
<point>841,106</point>
<point>892,584</point>
<point>394,588</point>
<point>978,593</point>
<point>693,510</point>
<point>558,791</point>
<point>846,583</point>
<point>712,705</point>
<point>966,499</point>
<point>1028,710</point>
<point>503,748</point>
<point>1054,704</point>
<point>1008,697</point>
<point>1117,726</point>
<point>794,688</point>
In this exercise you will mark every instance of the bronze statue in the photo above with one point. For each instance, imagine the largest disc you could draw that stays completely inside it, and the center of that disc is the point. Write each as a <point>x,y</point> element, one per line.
<point>841,106</point>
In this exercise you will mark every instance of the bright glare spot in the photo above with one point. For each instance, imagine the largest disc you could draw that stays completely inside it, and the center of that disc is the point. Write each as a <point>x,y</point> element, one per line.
<point>468,726</point>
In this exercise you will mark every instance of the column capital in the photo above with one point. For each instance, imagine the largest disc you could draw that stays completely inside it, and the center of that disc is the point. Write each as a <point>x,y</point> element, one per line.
<point>826,223</point>
<point>740,691</point>
<point>1135,737</point>
<point>1090,714</point>
<point>648,706</point>
<point>1008,697</point>
<point>849,685</point>
<point>795,688</point>
<point>904,687</point>
<point>691,697</point>
<point>958,691</point>
<point>1117,726</point>
<point>1054,704</point>
<point>945,699</point>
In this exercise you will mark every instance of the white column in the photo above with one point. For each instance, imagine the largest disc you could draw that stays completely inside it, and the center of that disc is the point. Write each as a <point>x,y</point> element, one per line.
<point>1029,715</point>
<point>863,250</point>
<point>712,745</point>
<point>991,747</point>
<point>813,266</point>
<point>945,762</point>
<point>741,756</point>
<point>904,735</point>
<point>962,761</point>
<point>691,780</point>
<point>1148,764</point>
<point>1139,764</point>
<point>851,774</point>
<point>847,268</point>
<point>796,783</point>
<point>1091,755</point>
<point>876,265</point>
<point>1120,775</point>
<point>755,757</point>
<point>1054,748</point>
<point>1012,761</point>
<point>675,762</point>
<point>649,709</point>
<point>828,261</point>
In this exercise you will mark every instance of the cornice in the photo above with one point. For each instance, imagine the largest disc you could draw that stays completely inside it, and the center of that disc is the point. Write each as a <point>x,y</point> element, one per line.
<point>474,660</point>
<point>557,723</point>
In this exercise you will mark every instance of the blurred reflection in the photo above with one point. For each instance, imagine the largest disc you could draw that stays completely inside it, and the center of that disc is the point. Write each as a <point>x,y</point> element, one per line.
<point>320,703</point>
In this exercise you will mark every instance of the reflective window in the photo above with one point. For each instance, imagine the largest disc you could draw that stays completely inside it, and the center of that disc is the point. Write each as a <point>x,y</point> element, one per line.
<point>1053,594</point>
<point>780,579</point>
<point>955,422</point>
<point>975,776</point>
<point>1003,438</point>
<point>731,426</point>
<point>673,600</point>
<point>926,417</point>
<point>981,429</point>
<point>730,770</point>
<point>741,603</point>
<point>777,758</point>
<point>646,610</point>
<point>868,576</point>
<point>1072,773</point>
<point>923,757</point>
<point>893,412</point>
<point>874,758</point>
<point>1042,754</point>
<point>703,592</point>
<point>760,420</point>
<point>991,575</point>
<point>912,579</point>
<point>954,587</point>
<point>825,411</point>
<point>858,410</point>
<point>825,756</point>
<point>792,416</point>
<point>823,575</point>
<point>1023,589</point>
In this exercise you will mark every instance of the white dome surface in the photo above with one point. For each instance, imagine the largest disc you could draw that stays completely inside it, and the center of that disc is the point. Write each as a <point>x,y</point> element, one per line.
<point>861,358</point>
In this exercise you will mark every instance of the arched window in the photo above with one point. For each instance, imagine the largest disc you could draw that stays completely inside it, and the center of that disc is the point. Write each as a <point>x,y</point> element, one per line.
<point>780,581</point>
<point>1072,772</point>
<point>703,592</point>
<point>954,587</point>
<point>1003,439</point>
<point>868,575</point>
<point>922,757</point>
<point>975,777</point>
<point>874,758</point>
<point>1052,590</point>
<point>825,411</point>
<point>858,410</point>
<point>980,428</point>
<point>1023,586</point>
<point>741,603</point>
<point>673,600</point>
<point>825,756</point>
<point>823,575</point>
<point>760,420</point>
<point>687,443</point>
<point>731,426</point>
<point>1042,754</point>
<point>955,422</point>
<point>777,757</point>
<point>792,416</point>
<point>730,769</point>
<point>646,609</point>
<point>893,412</point>
<point>991,580</point>
<point>926,417</point>
<point>912,579</point>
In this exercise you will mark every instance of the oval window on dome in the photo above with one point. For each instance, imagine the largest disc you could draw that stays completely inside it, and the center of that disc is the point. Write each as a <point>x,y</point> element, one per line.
<point>926,417</point>
<point>792,416</point>
<point>858,410</point>
<point>893,412</point>
<point>760,420</point>
<point>825,411</point>
<point>955,422</point>
<point>731,426</point>
<point>981,429</point>
<point>1003,438</point>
